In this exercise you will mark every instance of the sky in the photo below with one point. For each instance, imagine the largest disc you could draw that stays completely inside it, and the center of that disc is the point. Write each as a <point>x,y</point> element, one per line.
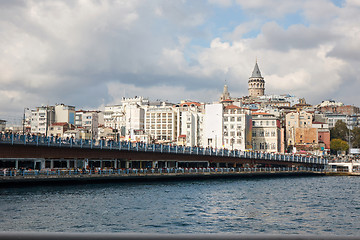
<point>91,53</point>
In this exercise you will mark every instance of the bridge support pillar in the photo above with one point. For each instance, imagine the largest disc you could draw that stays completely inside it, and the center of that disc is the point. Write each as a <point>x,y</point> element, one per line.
<point>51,163</point>
<point>42,165</point>
<point>127,164</point>
<point>86,163</point>
<point>115,164</point>
<point>17,164</point>
<point>176,164</point>
<point>67,164</point>
<point>217,165</point>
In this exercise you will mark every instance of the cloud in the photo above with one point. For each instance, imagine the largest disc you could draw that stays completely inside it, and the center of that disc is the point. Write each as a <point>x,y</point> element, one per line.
<point>87,53</point>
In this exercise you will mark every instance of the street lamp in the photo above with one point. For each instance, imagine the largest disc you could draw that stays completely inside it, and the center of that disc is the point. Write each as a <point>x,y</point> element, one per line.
<point>24,121</point>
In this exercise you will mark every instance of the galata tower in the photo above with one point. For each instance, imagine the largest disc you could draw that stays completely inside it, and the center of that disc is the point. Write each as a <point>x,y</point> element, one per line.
<point>256,83</point>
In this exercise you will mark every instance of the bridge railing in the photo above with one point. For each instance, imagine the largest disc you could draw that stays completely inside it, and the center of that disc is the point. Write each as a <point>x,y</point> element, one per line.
<point>160,148</point>
<point>129,171</point>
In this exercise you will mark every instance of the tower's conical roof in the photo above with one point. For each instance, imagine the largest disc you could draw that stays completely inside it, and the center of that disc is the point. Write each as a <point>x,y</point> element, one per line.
<point>256,72</point>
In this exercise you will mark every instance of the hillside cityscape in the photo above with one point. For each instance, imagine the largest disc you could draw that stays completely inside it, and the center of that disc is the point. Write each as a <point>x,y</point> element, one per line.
<point>259,122</point>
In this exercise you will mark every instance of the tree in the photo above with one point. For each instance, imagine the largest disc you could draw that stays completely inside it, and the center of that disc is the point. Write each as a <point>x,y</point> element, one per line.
<point>340,131</point>
<point>355,137</point>
<point>338,145</point>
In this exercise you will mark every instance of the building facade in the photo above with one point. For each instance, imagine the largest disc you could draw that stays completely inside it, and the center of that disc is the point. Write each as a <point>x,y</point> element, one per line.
<point>237,128</point>
<point>189,123</point>
<point>65,113</point>
<point>41,119</point>
<point>266,133</point>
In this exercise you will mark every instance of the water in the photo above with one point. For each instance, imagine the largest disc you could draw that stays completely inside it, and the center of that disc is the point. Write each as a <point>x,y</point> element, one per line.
<point>312,205</point>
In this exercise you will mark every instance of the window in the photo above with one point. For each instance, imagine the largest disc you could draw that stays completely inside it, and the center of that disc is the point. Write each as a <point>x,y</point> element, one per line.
<point>254,133</point>
<point>232,119</point>
<point>239,119</point>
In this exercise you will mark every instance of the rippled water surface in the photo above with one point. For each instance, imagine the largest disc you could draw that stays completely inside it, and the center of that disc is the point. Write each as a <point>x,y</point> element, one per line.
<point>312,205</point>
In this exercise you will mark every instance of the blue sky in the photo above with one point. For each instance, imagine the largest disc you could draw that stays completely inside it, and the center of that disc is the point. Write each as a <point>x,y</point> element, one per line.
<point>90,53</point>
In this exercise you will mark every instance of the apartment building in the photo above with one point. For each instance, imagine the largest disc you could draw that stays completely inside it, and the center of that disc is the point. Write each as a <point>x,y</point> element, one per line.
<point>213,126</point>
<point>59,128</point>
<point>65,113</point>
<point>41,119</point>
<point>266,132</point>
<point>89,121</point>
<point>161,122</point>
<point>114,117</point>
<point>237,128</point>
<point>134,114</point>
<point>189,123</point>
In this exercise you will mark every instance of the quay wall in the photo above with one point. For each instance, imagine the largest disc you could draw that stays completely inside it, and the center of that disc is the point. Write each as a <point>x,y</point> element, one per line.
<point>21,181</point>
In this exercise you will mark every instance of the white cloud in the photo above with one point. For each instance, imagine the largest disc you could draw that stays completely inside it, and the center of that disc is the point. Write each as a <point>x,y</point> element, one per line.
<point>88,52</point>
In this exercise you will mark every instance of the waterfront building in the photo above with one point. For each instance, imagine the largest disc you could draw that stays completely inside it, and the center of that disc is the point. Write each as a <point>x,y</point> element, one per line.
<point>41,118</point>
<point>266,132</point>
<point>256,83</point>
<point>107,133</point>
<point>237,128</point>
<point>213,126</point>
<point>65,113</point>
<point>114,117</point>
<point>134,116</point>
<point>57,129</point>
<point>323,135</point>
<point>300,134</point>
<point>89,121</point>
<point>161,122</point>
<point>189,123</point>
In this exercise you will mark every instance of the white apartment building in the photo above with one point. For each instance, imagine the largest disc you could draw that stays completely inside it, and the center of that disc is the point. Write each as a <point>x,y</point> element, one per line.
<point>114,117</point>
<point>332,118</point>
<point>266,134</point>
<point>237,125</point>
<point>213,126</point>
<point>41,119</point>
<point>134,113</point>
<point>189,123</point>
<point>160,123</point>
<point>227,126</point>
<point>65,113</point>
